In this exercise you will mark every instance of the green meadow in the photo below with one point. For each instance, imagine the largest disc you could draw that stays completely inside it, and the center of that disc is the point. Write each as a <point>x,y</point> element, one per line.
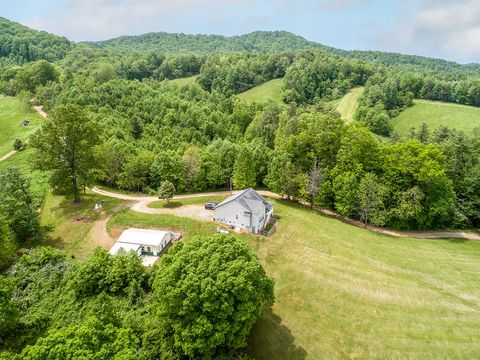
<point>12,113</point>
<point>268,91</point>
<point>347,105</point>
<point>436,114</point>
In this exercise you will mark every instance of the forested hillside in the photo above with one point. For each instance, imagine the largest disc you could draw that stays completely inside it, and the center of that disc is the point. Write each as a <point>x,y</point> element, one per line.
<point>167,43</point>
<point>20,44</point>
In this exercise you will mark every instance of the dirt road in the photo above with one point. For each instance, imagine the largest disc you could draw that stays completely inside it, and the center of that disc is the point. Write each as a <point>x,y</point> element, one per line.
<point>141,205</point>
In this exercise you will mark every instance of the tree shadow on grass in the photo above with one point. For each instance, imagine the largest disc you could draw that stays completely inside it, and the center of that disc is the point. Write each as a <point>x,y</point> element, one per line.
<point>172,205</point>
<point>270,339</point>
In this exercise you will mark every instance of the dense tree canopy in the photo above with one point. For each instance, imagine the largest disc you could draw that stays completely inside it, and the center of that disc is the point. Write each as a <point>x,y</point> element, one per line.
<point>208,296</point>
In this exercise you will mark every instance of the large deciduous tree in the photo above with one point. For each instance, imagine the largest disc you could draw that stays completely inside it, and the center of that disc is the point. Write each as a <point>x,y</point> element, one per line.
<point>208,294</point>
<point>65,146</point>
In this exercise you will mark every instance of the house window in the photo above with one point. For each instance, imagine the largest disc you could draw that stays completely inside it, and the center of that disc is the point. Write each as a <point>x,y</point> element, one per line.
<point>149,249</point>
<point>143,248</point>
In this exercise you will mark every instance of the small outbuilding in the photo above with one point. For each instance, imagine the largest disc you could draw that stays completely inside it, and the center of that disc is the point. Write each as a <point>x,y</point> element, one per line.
<point>247,210</point>
<point>144,242</point>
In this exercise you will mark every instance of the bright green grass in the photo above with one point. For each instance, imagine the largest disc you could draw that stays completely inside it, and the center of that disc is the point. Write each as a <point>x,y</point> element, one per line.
<point>12,114</point>
<point>72,223</point>
<point>268,91</point>
<point>348,104</point>
<point>200,200</point>
<point>436,114</point>
<point>345,292</point>
<point>184,81</point>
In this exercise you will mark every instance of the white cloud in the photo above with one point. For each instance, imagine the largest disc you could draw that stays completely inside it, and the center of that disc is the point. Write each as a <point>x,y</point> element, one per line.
<point>101,19</point>
<point>448,29</point>
<point>338,5</point>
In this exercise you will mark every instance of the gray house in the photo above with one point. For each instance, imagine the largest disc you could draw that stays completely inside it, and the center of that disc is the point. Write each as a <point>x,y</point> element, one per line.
<point>247,210</point>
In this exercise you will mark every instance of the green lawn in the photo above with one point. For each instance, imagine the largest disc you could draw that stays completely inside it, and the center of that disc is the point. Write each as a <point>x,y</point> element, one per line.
<point>184,81</point>
<point>12,114</point>
<point>346,292</point>
<point>348,104</point>
<point>200,200</point>
<point>436,114</point>
<point>268,91</point>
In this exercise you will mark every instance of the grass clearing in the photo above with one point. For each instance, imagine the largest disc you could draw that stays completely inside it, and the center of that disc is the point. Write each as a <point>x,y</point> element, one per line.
<point>71,223</point>
<point>184,81</point>
<point>349,103</point>
<point>12,114</point>
<point>175,203</point>
<point>346,292</point>
<point>435,114</point>
<point>268,91</point>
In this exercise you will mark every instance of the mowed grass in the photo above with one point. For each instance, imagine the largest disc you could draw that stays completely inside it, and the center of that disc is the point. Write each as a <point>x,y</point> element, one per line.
<point>175,203</point>
<point>435,114</point>
<point>268,91</point>
<point>184,81</point>
<point>346,292</point>
<point>71,223</point>
<point>12,113</point>
<point>349,103</point>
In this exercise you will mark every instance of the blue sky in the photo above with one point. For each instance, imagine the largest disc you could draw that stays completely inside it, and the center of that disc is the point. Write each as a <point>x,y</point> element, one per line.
<point>438,28</point>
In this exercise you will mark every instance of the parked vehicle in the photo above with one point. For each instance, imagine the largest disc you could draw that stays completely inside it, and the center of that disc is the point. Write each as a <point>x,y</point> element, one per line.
<point>210,205</point>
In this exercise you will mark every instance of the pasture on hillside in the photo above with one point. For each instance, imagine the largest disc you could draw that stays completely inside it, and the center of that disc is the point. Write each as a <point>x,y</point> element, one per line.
<point>12,113</point>
<point>347,105</point>
<point>347,292</point>
<point>435,114</point>
<point>184,81</point>
<point>268,91</point>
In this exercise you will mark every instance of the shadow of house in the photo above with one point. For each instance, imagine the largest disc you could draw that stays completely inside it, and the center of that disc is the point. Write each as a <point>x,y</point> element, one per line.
<point>270,339</point>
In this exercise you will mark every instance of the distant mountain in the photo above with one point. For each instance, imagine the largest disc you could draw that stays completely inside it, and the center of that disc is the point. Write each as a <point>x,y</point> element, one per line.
<point>168,43</point>
<point>262,41</point>
<point>21,44</point>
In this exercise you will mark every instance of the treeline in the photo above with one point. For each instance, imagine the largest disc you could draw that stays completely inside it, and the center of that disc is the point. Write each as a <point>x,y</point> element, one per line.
<point>405,185</point>
<point>389,92</point>
<point>236,73</point>
<point>317,76</point>
<point>21,44</point>
<point>170,43</point>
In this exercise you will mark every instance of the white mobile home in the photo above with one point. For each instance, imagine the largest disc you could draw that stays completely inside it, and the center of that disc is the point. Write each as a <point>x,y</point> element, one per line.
<point>247,210</point>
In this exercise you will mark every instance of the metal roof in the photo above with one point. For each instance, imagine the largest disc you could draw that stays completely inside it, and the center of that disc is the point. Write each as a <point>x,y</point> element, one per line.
<point>249,198</point>
<point>143,237</point>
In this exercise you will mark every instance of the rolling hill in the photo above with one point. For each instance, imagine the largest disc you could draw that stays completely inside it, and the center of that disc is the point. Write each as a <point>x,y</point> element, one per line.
<point>20,44</point>
<point>435,114</point>
<point>173,43</point>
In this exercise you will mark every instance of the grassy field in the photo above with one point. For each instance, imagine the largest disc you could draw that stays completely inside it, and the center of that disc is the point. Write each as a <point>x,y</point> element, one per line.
<point>12,114</point>
<point>347,105</point>
<point>72,223</point>
<point>436,114</point>
<point>200,200</point>
<point>268,91</point>
<point>184,81</point>
<point>346,292</point>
